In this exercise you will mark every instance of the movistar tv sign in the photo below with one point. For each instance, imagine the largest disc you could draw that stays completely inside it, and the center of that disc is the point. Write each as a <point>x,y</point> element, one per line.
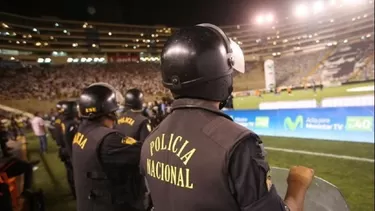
<point>292,125</point>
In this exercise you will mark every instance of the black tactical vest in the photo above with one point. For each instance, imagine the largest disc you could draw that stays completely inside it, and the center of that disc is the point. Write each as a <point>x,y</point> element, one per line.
<point>66,126</point>
<point>57,133</point>
<point>129,124</point>
<point>94,190</point>
<point>185,160</point>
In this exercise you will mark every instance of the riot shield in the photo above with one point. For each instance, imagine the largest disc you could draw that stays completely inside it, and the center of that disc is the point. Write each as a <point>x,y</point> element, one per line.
<point>322,195</point>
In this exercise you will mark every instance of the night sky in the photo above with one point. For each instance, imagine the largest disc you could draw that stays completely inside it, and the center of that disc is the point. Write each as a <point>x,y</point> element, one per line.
<point>147,12</point>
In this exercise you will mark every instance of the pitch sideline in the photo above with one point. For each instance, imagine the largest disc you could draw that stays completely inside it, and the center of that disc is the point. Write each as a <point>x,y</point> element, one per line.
<point>344,157</point>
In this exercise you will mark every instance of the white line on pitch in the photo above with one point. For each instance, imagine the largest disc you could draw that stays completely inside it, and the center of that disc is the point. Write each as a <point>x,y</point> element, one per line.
<point>320,154</point>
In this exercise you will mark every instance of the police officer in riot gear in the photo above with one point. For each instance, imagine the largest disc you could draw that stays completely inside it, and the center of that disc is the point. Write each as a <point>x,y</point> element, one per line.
<point>54,127</point>
<point>56,123</point>
<point>65,132</point>
<point>198,158</point>
<point>132,122</point>
<point>105,162</point>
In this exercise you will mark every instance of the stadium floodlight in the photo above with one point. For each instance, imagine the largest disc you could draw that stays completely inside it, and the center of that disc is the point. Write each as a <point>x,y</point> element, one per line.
<point>368,35</point>
<point>318,6</point>
<point>110,33</point>
<point>301,11</point>
<point>69,60</point>
<point>260,19</point>
<point>83,59</point>
<point>12,58</point>
<point>269,18</point>
<point>47,60</point>
<point>75,60</point>
<point>88,59</point>
<point>345,41</point>
<point>4,25</point>
<point>40,60</point>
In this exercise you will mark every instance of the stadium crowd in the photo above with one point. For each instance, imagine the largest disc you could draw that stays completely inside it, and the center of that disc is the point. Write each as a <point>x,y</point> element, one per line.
<point>342,63</point>
<point>47,83</point>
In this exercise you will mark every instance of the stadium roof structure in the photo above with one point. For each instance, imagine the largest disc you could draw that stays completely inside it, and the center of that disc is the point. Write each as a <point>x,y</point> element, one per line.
<point>29,39</point>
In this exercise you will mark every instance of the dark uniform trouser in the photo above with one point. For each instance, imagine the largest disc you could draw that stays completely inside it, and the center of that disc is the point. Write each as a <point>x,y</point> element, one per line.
<point>5,198</point>
<point>70,177</point>
<point>3,146</point>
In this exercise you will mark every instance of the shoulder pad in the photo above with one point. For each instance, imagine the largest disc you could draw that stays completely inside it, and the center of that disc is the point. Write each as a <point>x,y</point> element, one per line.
<point>225,132</point>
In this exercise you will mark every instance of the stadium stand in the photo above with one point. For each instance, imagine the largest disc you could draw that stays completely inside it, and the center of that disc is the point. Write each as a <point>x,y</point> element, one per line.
<point>56,58</point>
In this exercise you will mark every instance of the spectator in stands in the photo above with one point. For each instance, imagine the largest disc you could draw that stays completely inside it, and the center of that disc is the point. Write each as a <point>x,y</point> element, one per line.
<point>38,126</point>
<point>55,82</point>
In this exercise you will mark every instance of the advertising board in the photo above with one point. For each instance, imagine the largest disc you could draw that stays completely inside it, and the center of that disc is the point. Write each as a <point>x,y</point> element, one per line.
<point>354,124</point>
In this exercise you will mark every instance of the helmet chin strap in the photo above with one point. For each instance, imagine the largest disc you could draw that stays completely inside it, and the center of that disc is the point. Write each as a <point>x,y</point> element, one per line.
<point>224,102</point>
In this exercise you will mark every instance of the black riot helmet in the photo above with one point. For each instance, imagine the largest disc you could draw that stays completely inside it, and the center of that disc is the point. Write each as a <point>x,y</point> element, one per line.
<point>198,62</point>
<point>97,100</point>
<point>134,99</point>
<point>67,109</point>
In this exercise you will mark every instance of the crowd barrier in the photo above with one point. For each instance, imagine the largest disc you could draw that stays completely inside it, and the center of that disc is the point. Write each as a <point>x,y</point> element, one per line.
<point>354,124</point>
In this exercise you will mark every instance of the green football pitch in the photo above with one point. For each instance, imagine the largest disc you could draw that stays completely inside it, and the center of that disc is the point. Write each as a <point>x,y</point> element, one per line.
<point>252,102</point>
<point>354,178</point>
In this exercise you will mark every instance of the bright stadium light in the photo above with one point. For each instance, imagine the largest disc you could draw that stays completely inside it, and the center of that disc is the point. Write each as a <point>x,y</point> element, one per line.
<point>301,10</point>
<point>260,19</point>
<point>318,7</point>
<point>269,18</point>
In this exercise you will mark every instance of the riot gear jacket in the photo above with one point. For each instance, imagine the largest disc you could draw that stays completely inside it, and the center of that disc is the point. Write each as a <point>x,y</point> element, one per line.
<point>134,124</point>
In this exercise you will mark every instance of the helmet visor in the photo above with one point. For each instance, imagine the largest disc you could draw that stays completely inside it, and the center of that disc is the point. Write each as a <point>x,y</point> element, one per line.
<point>238,57</point>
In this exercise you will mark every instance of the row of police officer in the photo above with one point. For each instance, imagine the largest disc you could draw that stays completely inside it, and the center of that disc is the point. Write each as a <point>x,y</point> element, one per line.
<point>114,180</point>
<point>128,191</point>
<point>197,158</point>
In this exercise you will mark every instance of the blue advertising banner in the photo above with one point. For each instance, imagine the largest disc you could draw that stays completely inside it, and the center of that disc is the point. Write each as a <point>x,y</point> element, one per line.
<point>354,124</point>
